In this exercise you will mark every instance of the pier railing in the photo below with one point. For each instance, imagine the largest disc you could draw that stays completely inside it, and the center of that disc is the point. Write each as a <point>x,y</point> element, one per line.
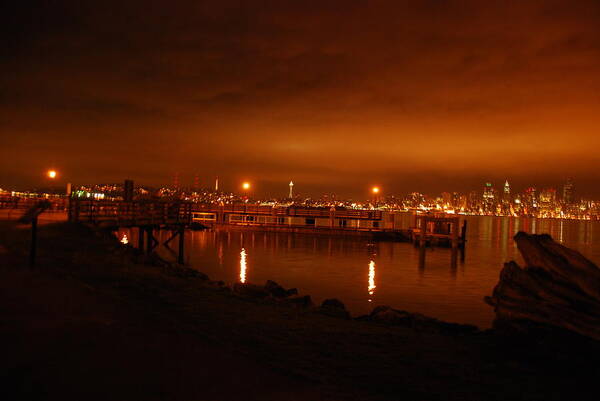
<point>290,211</point>
<point>133,213</point>
<point>138,213</point>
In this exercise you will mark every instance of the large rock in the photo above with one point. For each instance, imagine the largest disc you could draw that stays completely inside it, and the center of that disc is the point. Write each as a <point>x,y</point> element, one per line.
<point>278,291</point>
<point>297,301</point>
<point>250,290</point>
<point>335,308</point>
<point>558,287</point>
<point>394,317</point>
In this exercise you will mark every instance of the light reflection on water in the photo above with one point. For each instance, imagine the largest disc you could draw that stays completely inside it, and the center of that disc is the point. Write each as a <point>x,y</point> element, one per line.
<point>372,286</point>
<point>243,266</point>
<point>327,267</point>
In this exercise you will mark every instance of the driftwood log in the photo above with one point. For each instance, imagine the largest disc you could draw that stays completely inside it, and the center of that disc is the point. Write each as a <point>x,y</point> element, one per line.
<point>558,287</point>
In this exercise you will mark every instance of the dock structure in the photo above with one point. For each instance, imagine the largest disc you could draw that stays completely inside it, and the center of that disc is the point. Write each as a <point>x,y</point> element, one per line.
<point>159,214</point>
<point>176,216</point>
<point>290,217</point>
<point>439,229</point>
<point>146,216</point>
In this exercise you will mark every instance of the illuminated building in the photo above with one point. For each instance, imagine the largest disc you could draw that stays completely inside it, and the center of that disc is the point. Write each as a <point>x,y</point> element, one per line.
<point>489,198</point>
<point>447,198</point>
<point>567,194</point>
<point>530,201</point>
<point>506,201</point>
<point>506,192</point>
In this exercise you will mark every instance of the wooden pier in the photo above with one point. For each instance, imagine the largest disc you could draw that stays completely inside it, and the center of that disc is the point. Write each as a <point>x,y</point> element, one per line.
<point>176,216</point>
<point>189,214</point>
<point>146,216</point>
<point>439,229</point>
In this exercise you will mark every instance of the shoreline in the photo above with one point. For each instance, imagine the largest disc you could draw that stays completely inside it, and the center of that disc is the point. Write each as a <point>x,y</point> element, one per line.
<point>105,314</point>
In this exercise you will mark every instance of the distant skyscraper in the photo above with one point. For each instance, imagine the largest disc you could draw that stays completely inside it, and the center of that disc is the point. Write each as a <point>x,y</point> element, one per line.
<point>291,189</point>
<point>567,195</point>
<point>489,202</point>
<point>530,197</point>
<point>506,201</point>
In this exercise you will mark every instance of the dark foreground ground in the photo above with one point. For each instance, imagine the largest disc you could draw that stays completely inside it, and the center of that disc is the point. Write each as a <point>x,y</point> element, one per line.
<point>89,324</point>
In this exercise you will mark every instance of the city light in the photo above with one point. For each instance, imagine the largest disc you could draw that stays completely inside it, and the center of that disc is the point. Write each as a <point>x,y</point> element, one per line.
<point>246,186</point>
<point>375,190</point>
<point>52,174</point>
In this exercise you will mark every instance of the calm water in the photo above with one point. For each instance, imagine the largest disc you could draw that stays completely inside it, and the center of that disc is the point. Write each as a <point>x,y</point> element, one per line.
<point>363,273</point>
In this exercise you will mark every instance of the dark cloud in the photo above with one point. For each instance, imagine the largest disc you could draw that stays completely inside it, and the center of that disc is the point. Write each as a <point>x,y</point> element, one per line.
<point>429,95</point>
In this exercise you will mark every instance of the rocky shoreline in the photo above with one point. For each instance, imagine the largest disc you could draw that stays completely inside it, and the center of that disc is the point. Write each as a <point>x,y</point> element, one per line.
<point>97,320</point>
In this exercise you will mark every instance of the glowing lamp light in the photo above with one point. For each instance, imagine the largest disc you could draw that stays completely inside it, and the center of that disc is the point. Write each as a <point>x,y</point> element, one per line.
<point>246,185</point>
<point>52,174</point>
<point>375,190</point>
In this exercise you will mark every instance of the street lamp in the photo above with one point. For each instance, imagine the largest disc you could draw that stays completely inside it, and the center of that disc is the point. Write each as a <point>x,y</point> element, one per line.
<point>375,191</point>
<point>52,174</point>
<point>246,188</point>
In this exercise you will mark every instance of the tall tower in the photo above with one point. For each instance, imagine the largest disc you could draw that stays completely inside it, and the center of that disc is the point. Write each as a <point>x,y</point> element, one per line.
<point>217,184</point>
<point>568,191</point>
<point>506,192</point>
<point>291,189</point>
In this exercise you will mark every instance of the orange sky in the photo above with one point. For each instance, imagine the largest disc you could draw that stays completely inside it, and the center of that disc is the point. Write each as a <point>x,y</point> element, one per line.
<point>337,95</point>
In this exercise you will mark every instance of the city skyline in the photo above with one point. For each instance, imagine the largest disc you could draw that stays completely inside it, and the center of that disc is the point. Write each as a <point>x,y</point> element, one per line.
<point>55,181</point>
<point>410,96</point>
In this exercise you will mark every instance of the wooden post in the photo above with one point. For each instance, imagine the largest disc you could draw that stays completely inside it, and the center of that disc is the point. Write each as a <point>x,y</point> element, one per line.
<point>422,237</point>
<point>331,217</point>
<point>32,250</point>
<point>180,258</point>
<point>149,240</point>
<point>141,238</point>
<point>463,233</point>
<point>454,238</point>
<point>77,210</point>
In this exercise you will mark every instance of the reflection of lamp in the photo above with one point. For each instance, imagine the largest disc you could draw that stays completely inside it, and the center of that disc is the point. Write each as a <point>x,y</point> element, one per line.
<point>243,266</point>
<point>372,285</point>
